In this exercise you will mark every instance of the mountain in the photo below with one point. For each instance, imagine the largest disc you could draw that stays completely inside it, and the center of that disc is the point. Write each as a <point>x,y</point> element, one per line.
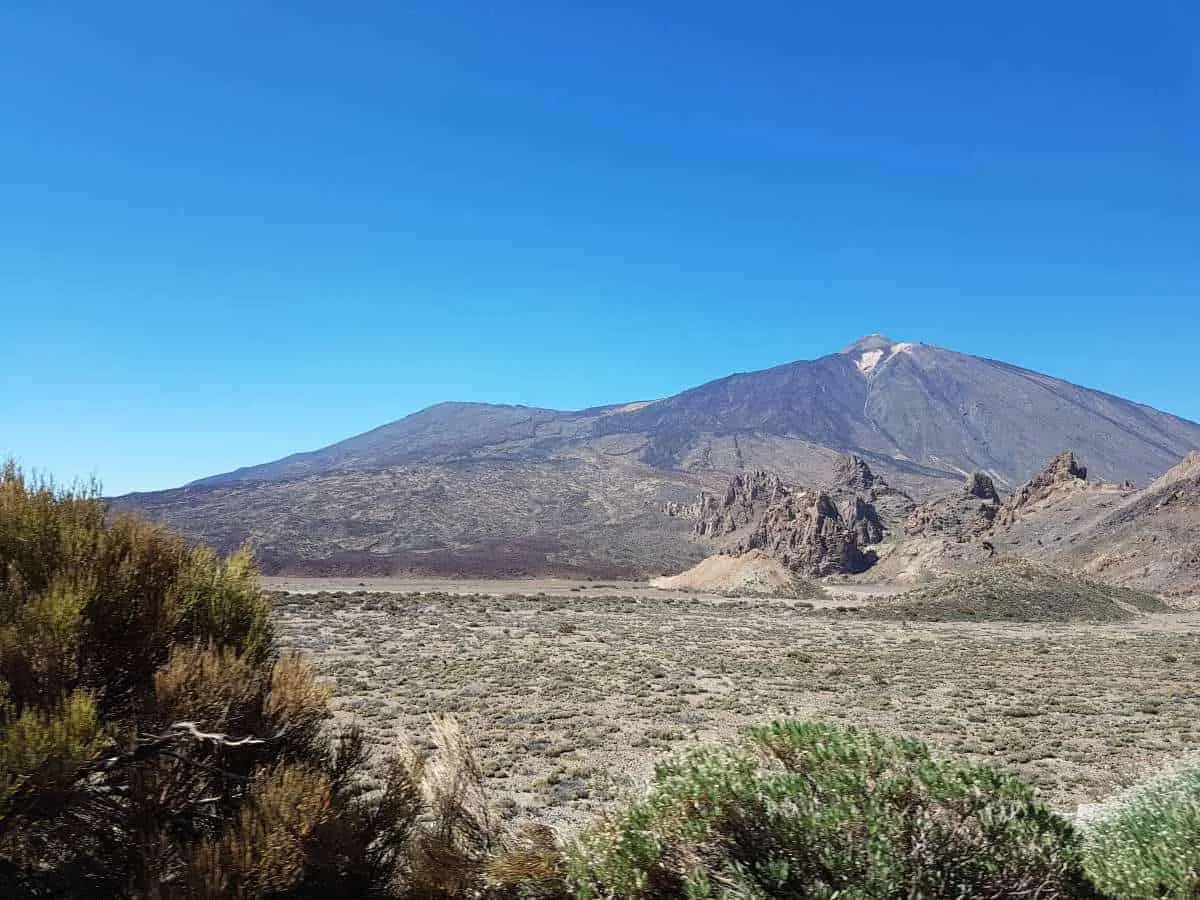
<point>462,487</point>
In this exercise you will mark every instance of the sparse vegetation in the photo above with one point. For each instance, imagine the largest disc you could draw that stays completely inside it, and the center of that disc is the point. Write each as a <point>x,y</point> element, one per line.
<point>1062,705</point>
<point>1018,590</point>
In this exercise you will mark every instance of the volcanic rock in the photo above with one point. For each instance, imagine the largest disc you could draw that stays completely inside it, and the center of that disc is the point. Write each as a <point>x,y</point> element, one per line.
<point>1063,474</point>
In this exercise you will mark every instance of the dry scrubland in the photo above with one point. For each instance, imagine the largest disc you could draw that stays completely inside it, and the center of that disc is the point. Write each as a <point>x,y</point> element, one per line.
<point>572,698</point>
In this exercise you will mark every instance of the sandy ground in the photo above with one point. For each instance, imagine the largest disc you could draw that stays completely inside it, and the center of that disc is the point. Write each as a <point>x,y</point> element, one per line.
<point>496,587</point>
<point>840,594</point>
<point>755,572</point>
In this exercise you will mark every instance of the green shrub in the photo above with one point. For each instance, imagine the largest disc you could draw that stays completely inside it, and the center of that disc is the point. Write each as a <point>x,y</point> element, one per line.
<point>810,810</point>
<point>1148,844</point>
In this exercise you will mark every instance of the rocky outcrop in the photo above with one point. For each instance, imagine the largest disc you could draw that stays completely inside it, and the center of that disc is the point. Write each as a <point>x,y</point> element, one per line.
<point>747,497</point>
<point>1144,538</point>
<point>1188,468</point>
<point>977,509</point>
<point>868,500</point>
<point>960,517</point>
<point>1063,474</point>
<point>806,532</point>
<point>678,510</point>
<point>813,532</point>
<point>853,473</point>
<point>864,521</point>
<point>981,486</point>
<point>1151,539</point>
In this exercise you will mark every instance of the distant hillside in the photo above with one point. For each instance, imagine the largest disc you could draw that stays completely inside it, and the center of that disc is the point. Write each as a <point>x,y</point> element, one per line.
<point>1146,538</point>
<point>480,488</point>
<point>1011,589</point>
<point>1150,540</point>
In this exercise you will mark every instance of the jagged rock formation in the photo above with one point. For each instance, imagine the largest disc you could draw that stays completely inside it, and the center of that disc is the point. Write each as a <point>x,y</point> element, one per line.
<point>1146,538</point>
<point>959,517</point>
<point>812,532</point>
<point>982,487</point>
<point>746,498</point>
<point>853,473</point>
<point>867,499</point>
<point>864,522</point>
<point>1064,473</point>
<point>806,532</point>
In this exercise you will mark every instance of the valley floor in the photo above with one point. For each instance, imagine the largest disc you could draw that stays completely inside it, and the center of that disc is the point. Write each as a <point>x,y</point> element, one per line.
<point>572,696</point>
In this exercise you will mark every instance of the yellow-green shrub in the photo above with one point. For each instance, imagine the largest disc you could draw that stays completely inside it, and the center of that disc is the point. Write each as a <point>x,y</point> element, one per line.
<point>152,739</point>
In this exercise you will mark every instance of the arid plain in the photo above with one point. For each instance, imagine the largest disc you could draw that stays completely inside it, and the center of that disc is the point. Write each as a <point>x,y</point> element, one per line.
<point>573,690</point>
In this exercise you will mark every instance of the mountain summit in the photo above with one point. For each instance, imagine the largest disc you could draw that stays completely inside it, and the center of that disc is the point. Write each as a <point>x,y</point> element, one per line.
<point>868,343</point>
<point>488,488</point>
<point>868,352</point>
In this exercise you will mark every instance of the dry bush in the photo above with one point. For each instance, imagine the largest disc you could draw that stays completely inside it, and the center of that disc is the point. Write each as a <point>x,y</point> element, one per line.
<point>210,685</point>
<point>264,853</point>
<point>452,847</point>
<point>153,741</point>
<point>144,712</point>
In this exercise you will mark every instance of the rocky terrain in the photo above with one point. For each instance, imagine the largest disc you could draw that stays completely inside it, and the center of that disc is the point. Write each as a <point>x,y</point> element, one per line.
<point>480,489</point>
<point>1150,539</point>
<point>960,515</point>
<point>815,532</point>
<point>598,516</point>
<point>1147,539</point>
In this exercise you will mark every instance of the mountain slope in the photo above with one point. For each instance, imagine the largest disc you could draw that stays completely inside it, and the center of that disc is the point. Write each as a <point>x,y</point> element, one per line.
<point>1150,540</point>
<point>919,407</point>
<point>571,516</point>
<point>919,414</point>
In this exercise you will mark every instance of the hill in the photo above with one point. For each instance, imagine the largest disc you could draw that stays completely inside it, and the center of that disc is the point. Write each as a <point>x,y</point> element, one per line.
<point>1018,590</point>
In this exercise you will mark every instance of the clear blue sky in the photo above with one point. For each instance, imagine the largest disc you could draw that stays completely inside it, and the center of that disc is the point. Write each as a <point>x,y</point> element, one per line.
<point>230,231</point>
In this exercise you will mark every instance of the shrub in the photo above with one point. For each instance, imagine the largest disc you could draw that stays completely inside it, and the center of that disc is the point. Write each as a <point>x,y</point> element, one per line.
<point>154,742</point>
<point>1148,844</point>
<point>810,810</point>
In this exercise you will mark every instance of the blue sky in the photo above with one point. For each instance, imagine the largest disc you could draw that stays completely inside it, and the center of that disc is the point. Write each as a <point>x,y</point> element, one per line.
<point>230,231</point>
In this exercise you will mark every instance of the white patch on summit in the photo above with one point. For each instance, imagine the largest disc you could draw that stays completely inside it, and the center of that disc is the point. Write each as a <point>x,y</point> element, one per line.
<point>868,361</point>
<point>630,407</point>
<point>871,351</point>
